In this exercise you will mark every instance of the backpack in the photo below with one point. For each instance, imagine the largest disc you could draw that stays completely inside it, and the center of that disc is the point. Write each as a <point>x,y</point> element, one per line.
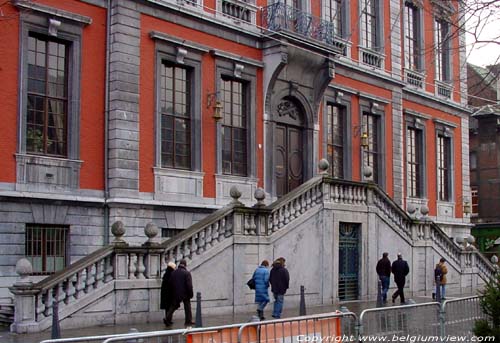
<point>438,272</point>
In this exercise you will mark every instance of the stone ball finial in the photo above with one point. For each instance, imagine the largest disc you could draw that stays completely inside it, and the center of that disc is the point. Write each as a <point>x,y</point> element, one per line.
<point>411,208</point>
<point>470,239</point>
<point>459,239</point>
<point>118,230</point>
<point>424,210</point>
<point>259,195</point>
<point>24,269</point>
<point>151,230</point>
<point>235,193</point>
<point>323,166</point>
<point>367,172</point>
<point>494,259</point>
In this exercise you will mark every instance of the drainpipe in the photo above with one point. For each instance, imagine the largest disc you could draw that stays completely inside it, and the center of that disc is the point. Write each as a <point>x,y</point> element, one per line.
<point>106,125</point>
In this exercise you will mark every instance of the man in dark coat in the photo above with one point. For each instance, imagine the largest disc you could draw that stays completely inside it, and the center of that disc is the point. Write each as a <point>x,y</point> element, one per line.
<point>182,284</point>
<point>167,293</point>
<point>384,274</point>
<point>279,279</point>
<point>400,269</point>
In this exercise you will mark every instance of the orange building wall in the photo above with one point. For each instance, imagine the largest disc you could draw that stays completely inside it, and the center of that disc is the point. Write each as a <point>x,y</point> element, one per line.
<point>91,96</point>
<point>147,146</point>
<point>430,151</point>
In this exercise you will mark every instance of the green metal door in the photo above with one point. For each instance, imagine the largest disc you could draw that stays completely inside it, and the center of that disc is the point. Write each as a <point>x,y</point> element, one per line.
<point>348,260</point>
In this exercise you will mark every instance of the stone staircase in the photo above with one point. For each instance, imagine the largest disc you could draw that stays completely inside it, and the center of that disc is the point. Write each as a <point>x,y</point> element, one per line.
<point>120,283</point>
<point>6,311</point>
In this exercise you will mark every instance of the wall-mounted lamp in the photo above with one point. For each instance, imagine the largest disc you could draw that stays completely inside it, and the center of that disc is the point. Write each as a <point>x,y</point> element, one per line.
<point>364,140</point>
<point>216,104</point>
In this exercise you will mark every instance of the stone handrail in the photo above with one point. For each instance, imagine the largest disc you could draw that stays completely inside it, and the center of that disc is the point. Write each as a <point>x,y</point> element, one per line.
<point>201,236</point>
<point>444,242</point>
<point>293,204</point>
<point>485,268</point>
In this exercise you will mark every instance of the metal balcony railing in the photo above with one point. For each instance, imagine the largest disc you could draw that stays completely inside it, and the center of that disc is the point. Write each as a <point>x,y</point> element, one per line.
<point>280,17</point>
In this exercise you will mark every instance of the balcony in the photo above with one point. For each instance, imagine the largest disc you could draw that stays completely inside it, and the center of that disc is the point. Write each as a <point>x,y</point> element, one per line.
<point>238,10</point>
<point>444,89</point>
<point>371,57</point>
<point>279,17</point>
<point>414,78</point>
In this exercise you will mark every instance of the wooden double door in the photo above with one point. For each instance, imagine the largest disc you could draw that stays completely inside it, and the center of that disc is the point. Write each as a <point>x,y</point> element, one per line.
<point>289,166</point>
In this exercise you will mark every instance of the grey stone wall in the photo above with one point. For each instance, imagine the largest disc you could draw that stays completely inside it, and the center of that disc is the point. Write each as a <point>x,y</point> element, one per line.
<point>398,133</point>
<point>86,232</point>
<point>123,138</point>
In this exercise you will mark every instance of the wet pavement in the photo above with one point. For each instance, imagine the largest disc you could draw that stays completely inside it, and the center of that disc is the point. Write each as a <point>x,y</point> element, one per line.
<point>213,320</point>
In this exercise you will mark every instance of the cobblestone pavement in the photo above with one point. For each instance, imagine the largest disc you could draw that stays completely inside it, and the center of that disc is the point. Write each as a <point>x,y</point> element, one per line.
<point>215,320</point>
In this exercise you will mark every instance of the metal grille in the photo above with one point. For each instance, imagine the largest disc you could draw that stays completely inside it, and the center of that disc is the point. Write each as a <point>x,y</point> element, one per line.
<point>413,320</point>
<point>348,261</point>
<point>46,248</point>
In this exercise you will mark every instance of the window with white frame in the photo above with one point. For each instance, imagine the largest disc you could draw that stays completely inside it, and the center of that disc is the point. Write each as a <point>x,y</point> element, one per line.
<point>234,128</point>
<point>175,109</point>
<point>335,115</point>
<point>372,151</point>
<point>443,147</point>
<point>370,24</point>
<point>442,50</point>
<point>412,39</point>
<point>333,13</point>
<point>414,161</point>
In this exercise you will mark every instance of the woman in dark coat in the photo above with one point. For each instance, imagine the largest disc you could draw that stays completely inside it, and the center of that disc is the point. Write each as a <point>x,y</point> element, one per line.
<point>167,293</point>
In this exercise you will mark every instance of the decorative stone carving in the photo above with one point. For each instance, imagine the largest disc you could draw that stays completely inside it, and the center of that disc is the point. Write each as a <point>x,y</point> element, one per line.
<point>259,195</point>
<point>118,230</point>
<point>411,208</point>
<point>367,172</point>
<point>323,166</point>
<point>151,231</point>
<point>235,193</point>
<point>24,269</point>
<point>424,210</point>
<point>288,108</point>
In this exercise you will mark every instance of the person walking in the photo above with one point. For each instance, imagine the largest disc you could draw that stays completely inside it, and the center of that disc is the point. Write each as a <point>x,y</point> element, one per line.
<point>440,278</point>
<point>167,293</point>
<point>400,269</point>
<point>279,279</point>
<point>384,274</point>
<point>182,284</point>
<point>261,279</point>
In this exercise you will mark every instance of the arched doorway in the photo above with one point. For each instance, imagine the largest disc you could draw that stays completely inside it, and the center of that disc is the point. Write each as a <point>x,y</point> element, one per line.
<point>289,147</point>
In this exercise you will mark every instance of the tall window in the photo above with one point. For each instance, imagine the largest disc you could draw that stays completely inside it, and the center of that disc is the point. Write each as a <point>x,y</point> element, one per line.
<point>369,25</point>
<point>47,103</point>
<point>46,247</point>
<point>234,128</point>
<point>474,191</point>
<point>332,12</point>
<point>411,40</point>
<point>443,163</point>
<point>175,95</point>
<point>335,139</point>
<point>442,50</point>
<point>414,160</point>
<point>372,150</point>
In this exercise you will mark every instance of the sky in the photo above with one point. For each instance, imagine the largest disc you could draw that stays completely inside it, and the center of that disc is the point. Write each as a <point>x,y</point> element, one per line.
<point>485,54</point>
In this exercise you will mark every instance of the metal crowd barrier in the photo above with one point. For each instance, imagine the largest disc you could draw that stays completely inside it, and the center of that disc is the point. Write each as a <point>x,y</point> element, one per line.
<point>398,321</point>
<point>300,329</point>
<point>460,315</point>
<point>453,317</point>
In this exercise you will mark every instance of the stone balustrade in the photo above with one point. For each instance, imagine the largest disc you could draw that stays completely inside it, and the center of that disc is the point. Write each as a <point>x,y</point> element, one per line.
<point>95,275</point>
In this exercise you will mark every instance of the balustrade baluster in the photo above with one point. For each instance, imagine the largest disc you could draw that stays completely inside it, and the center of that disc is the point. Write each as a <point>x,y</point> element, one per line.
<point>89,280</point>
<point>79,286</point>
<point>99,274</point>
<point>61,293</point>
<point>208,237</point>
<point>141,268</point>
<point>69,288</point>
<point>286,216</point>
<point>108,265</point>
<point>40,307</point>
<point>47,301</point>
<point>200,242</point>
<point>132,267</point>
